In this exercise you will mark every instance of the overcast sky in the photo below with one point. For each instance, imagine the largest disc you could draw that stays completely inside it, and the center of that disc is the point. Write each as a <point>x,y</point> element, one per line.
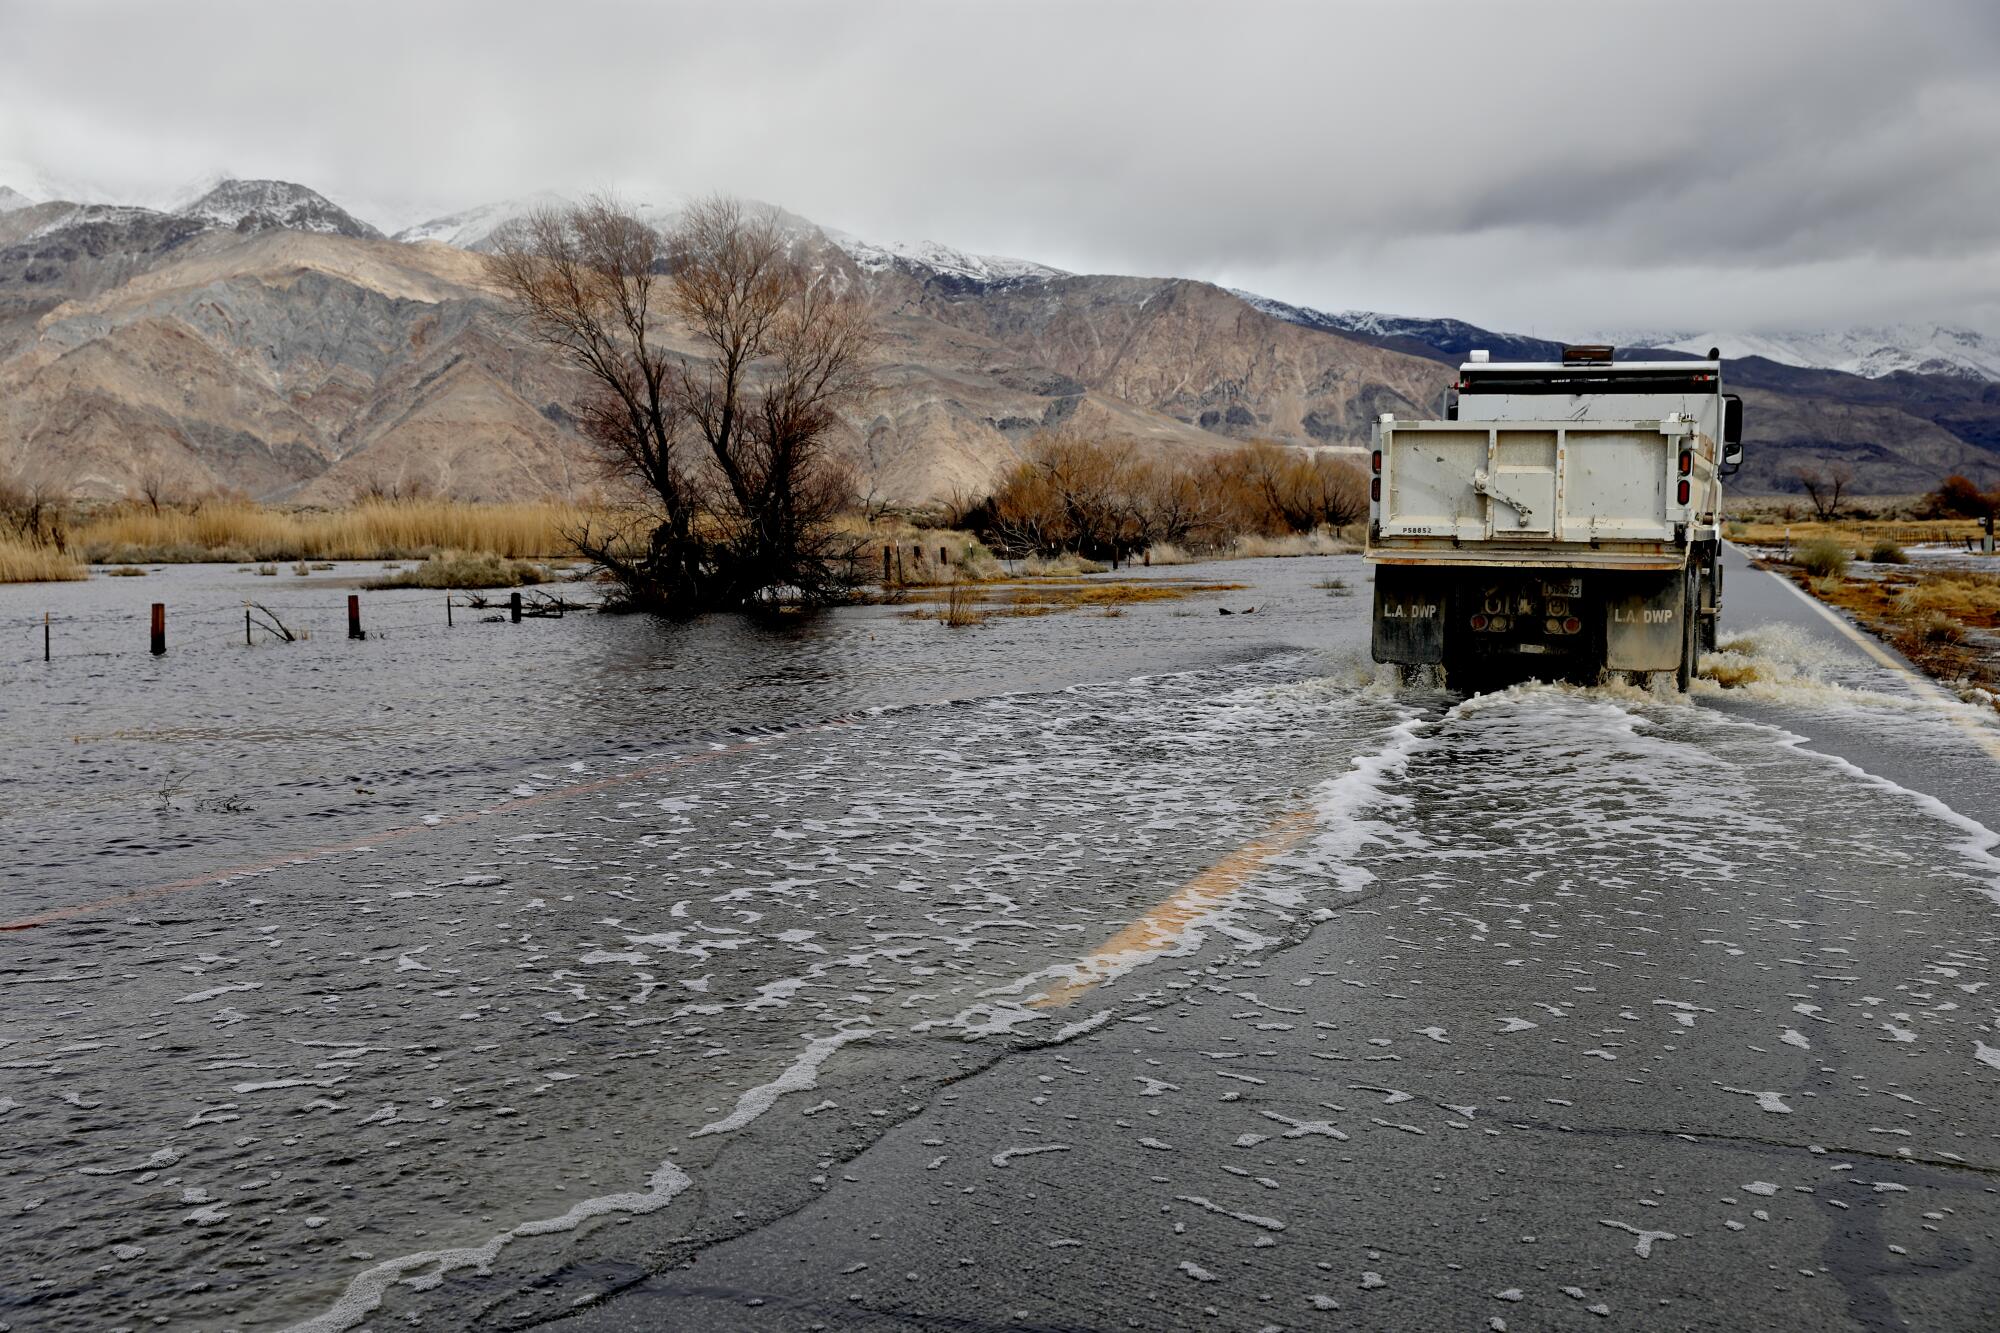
<point>1552,169</point>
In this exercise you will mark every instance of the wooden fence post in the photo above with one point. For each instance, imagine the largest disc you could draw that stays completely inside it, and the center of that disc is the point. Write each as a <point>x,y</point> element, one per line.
<point>45,636</point>
<point>447,610</point>
<point>246,627</point>
<point>354,616</point>
<point>159,628</point>
<point>514,607</point>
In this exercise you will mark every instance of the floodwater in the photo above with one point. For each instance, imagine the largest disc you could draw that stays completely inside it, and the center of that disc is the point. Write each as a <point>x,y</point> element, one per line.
<point>472,975</point>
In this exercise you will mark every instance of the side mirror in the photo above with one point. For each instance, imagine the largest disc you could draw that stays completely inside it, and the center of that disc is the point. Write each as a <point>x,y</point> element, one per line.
<point>1732,436</point>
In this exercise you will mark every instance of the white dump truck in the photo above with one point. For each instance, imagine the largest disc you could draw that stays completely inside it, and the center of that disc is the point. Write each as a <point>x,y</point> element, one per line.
<point>1562,521</point>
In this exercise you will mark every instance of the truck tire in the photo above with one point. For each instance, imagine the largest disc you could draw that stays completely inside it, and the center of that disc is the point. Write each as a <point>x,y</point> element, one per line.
<point>1690,635</point>
<point>1711,620</point>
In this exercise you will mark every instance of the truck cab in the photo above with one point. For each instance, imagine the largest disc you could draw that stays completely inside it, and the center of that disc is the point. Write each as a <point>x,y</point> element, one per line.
<point>1563,520</point>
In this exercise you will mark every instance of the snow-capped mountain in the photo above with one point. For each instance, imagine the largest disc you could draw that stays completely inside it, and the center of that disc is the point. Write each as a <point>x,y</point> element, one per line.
<point>942,260</point>
<point>473,228</point>
<point>11,199</point>
<point>1928,349</point>
<point>40,187</point>
<point>260,205</point>
<point>1448,338</point>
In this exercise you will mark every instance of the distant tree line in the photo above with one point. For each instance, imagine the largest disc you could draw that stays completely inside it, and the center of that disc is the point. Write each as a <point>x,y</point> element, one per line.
<point>1105,498</point>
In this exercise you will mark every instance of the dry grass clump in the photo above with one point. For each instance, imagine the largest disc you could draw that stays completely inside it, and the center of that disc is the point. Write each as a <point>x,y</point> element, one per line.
<point>1320,541</point>
<point>1822,557</point>
<point>455,570</point>
<point>125,572</point>
<point>1851,533</point>
<point>34,562</point>
<point>1015,598</point>
<point>1929,617</point>
<point>375,530</point>
<point>1887,552</point>
<point>1961,594</point>
<point>1059,566</point>
<point>961,609</point>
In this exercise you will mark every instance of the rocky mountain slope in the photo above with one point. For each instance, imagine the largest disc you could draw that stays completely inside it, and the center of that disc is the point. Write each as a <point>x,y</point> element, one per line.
<point>261,339</point>
<point>1900,431</point>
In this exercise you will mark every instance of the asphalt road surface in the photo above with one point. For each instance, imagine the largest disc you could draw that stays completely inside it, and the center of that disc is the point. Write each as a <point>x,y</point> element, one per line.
<point>1235,988</point>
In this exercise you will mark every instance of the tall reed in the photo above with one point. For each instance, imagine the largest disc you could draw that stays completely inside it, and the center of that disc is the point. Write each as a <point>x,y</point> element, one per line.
<point>376,530</point>
<point>32,562</point>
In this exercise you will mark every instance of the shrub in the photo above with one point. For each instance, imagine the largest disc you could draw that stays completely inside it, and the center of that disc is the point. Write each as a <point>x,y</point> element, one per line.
<point>1821,557</point>
<point>1937,627</point>
<point>452,570</point>
<point>1886,552</point>
<point>125,572</point>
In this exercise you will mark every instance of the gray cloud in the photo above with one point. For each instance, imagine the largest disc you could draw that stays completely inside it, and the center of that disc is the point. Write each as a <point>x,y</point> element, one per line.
<point>1556,168</point>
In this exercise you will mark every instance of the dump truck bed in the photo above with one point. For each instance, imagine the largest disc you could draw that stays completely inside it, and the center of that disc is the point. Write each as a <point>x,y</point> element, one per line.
<point>1577,494</point>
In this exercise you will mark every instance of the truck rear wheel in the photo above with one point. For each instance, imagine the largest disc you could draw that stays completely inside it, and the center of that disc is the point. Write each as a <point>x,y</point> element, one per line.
<point>1684,674</point>
<point>1710,606</point>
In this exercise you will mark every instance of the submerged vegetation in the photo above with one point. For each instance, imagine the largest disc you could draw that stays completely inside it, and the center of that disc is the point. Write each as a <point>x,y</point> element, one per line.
<point>451,569</point>
<point>962,604</point>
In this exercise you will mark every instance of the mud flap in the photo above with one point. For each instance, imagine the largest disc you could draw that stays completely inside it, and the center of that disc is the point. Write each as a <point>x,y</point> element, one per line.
<point>1409,617</point>
<point>1642,623</point>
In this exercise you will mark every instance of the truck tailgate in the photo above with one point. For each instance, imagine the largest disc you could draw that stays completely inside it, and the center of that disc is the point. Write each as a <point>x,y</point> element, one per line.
<point>1534,481</point>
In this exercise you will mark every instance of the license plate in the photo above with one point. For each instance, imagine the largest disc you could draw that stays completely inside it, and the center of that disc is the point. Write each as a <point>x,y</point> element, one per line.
<point>1562,587</point>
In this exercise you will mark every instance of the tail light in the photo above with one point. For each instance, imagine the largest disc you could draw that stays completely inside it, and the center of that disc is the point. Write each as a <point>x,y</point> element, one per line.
<point>1572,625</point>
<point>1681,493</point>
<point>1479,622</point>
<point>1375,488</point>
<point>1375,461</point>
<point>1687,462</point>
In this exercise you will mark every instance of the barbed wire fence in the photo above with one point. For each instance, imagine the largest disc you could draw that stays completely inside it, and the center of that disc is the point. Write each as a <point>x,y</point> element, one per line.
<point>63,636</point>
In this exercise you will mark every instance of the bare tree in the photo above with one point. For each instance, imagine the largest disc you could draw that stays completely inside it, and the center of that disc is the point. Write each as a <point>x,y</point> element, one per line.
<point>1824,488</point>
<point>35,510</point>
<point>730,443</point>
<point>151,487</point>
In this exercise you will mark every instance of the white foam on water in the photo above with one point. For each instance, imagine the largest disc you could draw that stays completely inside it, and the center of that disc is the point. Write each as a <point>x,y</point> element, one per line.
<point>1342,805</point>
<point>1267,1223</point>
<point>801,1075</point>
<point>200,997</point>
<point>427,1269</point>
<point>1007,1155</point>
<point>1083,1025</point>
<point>1978,842</point>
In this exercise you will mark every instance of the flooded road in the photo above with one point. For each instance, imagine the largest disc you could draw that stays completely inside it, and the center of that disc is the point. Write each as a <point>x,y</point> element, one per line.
<point>1162,970</point>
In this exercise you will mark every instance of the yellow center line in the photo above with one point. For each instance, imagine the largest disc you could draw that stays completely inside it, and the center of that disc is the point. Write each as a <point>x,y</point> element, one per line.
<point>1159,928</point>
